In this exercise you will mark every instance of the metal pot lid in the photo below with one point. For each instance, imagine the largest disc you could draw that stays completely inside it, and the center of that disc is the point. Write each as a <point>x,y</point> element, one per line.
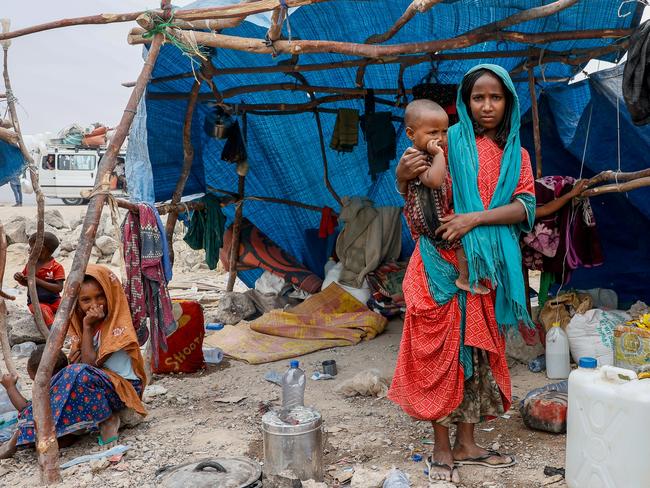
<point>234,472</point>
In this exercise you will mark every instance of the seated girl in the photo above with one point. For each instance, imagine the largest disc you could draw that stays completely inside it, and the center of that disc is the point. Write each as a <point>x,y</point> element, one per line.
<point>106,373</point>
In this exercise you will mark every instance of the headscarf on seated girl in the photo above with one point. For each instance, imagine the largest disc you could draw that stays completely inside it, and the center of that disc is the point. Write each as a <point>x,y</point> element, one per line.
<point>116,333</point>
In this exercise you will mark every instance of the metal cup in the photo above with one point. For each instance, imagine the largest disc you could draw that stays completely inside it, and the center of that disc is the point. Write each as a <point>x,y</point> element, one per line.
<point>329,367</point>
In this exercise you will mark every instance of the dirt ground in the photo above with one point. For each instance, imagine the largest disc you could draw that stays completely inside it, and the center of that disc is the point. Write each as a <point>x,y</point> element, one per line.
<point>199,417</point>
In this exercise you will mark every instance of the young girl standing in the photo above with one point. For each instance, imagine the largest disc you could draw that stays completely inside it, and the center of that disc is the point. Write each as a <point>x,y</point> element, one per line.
<point>451,367</point>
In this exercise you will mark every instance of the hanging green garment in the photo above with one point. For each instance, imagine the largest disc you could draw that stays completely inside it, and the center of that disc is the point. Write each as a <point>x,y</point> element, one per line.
<point>346,130</point>
<point>545,281</point>
<point>206,230</point>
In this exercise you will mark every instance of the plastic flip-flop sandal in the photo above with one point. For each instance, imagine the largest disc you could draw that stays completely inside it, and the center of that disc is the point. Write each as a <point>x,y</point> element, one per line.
<point>483,460</point>
<point>103,442</point>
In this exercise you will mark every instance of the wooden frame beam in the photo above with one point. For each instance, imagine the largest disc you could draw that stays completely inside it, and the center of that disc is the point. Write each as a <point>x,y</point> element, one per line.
<point>237,11</point>
<point>297,47</point>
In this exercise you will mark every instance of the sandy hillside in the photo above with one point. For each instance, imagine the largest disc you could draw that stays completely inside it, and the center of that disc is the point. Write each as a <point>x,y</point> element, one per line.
<point>193,419</point>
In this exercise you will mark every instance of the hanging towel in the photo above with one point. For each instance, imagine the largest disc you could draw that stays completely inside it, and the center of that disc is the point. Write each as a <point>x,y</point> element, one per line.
<point>381,140</point>
<point>234,151</point>
<point>328,223</point>
<point>146,285</point>
<point>346,130</point>
<point>206,230</point>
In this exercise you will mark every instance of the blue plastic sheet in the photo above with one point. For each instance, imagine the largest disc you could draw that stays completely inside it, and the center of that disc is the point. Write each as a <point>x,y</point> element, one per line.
<point>284,151</point>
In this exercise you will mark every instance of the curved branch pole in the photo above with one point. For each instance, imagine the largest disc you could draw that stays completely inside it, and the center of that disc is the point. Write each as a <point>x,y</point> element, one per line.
<point>491,31</point>
<point>617,188</point>
<point>417,6</point>
<point>610,175</point>
<point>188,158</point>
<point>40,198</point>
<point>4,336</point>
<point>239,12</point>
<point>46,442</point>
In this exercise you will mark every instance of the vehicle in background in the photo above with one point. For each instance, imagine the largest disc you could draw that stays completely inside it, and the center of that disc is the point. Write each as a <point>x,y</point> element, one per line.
<point>68,172</point>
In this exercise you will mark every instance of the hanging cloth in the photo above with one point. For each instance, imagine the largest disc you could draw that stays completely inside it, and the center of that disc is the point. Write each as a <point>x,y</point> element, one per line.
<point>328,223</point>
<point>206,230</point>
<point>636,89</point>
<point>381,138</point>
<point>346,130</point>
<point>146,285</point>
<point>234,151</point>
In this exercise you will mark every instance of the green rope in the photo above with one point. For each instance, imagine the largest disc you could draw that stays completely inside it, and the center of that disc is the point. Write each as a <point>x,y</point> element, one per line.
<point>161,27</point>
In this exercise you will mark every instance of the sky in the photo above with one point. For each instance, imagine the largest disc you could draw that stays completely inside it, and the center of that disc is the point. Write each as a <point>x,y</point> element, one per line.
<point>74,74</point>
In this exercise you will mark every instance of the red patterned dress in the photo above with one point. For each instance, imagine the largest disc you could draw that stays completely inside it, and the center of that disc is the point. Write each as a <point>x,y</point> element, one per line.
<point>429,382</point>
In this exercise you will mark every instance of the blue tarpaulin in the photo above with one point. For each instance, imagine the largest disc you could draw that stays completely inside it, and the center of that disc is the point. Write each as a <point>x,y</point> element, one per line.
<point>284,151</point>
<point>11,162</point>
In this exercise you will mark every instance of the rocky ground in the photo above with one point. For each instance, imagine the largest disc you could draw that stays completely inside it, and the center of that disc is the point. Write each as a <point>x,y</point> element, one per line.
<point>216,412</point>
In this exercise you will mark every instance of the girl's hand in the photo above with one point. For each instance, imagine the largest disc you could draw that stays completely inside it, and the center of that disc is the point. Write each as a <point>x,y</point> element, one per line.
<point>433,147</point>
<point>21,279</point>
<point>94,315</point>
<point>9,380</point>
<point>578,188</point>
<point>456,226</point>
<point>411,165</point>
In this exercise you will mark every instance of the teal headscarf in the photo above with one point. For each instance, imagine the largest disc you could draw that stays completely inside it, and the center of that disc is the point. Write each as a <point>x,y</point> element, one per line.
<point>492,251</point>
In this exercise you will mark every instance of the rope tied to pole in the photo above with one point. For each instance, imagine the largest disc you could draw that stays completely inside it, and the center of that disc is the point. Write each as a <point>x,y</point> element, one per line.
<point>163,26</point>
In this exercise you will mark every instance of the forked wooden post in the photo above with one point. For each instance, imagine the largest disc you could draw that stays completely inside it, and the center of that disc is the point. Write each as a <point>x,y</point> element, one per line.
<point>536,132</point>
<point>40,198</point>
<point>242,170</point>
<point>46,442</point>
<point>188,158</point>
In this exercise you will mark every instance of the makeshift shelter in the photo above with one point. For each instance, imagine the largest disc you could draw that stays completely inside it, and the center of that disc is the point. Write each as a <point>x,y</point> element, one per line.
<point>286,153</point>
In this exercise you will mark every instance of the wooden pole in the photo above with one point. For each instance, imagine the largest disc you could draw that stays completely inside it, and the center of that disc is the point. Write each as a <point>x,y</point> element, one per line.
<point>416,6</point>
<point>573,56</point>
<point>238,11</point>
<point>46,442</point>
<point>617,188</point>
<point>536,132</point>
<point>4,336</point>
<point>188,158</point>
<point>35,250</point>
<point>610,175</point>
<point>242,170</point>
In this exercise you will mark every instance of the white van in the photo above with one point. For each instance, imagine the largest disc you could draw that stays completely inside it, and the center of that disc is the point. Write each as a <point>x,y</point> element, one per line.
<point>67,171</point>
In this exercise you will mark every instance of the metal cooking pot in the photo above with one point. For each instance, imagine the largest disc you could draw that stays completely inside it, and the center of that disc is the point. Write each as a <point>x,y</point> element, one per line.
<point>236,472</point>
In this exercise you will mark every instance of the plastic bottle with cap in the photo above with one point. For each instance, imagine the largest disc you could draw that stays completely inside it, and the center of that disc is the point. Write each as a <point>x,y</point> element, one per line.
<point>558,362</point>
<point>293,387</point>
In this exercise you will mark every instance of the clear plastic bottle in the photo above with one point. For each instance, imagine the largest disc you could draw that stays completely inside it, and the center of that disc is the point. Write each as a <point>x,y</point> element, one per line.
<point>558,363</point>
<point>293,387</point>
<point>396,479</point>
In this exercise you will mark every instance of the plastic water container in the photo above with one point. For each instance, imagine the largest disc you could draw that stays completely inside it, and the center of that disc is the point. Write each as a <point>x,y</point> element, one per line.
<point>212,355</point>
<point>396,479</point>
<point>608,428</point>
<point>293,387</point>
<point>558,363</point>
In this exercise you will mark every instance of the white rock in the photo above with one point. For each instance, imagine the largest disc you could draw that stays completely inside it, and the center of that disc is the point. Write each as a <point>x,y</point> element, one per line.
<point>152,391</point>
<point>54,218</point>
<point>15,231</point>
<point>22,328</point>
<point>30,228</point>
<point>107,245</point>
<point>70,240</point>
<point>116,260</point>
<point>366,478</point>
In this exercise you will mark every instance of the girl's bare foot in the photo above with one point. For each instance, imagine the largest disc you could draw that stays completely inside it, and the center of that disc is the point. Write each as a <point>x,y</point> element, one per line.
<point>108,429</point>
<point>441,467</point>
<point>8,449</point>
<point>477,289</point>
